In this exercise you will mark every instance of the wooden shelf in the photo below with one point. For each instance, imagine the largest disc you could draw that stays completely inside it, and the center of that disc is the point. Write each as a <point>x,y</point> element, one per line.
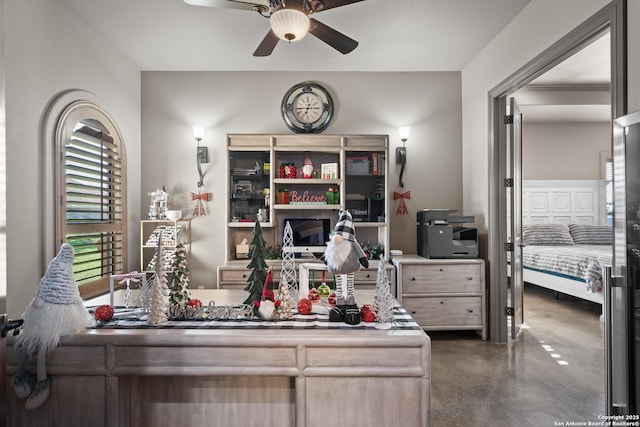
<point>248,224</point>
<point>310,206</point>
<point>369,224</point>
<point>310,181</point>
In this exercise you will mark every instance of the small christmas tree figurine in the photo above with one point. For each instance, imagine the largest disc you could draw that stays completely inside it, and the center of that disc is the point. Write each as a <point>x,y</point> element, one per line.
<point>157,308</point>
<point>179,278</point>
<point>284,310</point>
<point>259,267</point>
<point>383,301</point>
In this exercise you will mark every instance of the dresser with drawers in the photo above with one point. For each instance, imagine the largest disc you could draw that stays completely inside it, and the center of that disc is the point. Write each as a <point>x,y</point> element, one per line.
<point>443,294</point>
<point>235,276</point>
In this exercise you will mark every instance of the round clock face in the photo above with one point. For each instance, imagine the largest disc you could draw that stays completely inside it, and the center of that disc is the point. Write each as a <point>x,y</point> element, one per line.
<point>307,108</point>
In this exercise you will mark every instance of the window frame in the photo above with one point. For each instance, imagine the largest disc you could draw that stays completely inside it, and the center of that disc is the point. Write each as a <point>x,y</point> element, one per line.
<point>74,113</point>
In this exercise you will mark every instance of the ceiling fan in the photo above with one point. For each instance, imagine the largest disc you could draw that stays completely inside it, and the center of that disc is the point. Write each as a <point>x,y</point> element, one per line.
<point>290,21</point>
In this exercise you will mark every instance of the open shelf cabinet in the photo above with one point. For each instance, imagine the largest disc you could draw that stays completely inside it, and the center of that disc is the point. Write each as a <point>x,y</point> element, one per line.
<point>272,178</point>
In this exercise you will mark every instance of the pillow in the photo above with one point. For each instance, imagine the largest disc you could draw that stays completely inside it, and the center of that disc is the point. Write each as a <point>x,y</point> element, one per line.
<point>584,234</point>
<point>546,234</point>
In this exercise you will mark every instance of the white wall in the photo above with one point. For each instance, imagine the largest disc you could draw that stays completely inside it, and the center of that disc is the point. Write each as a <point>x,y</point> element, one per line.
<point>47,51</point>
<point>576,149</point>
<point>538,26</point>
<point>249,102</point>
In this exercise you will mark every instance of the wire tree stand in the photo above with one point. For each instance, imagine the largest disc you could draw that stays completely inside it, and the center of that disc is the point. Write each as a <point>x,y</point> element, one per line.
<point>288,263</point>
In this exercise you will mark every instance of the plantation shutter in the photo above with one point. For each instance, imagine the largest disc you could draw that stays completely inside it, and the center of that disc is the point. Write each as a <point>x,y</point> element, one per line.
<point>93,203</point>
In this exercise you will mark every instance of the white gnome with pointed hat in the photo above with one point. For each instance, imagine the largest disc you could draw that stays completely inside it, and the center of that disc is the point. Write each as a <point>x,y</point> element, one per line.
<point>57,310</point>
<point>307,168</point>
<point>344,256</point>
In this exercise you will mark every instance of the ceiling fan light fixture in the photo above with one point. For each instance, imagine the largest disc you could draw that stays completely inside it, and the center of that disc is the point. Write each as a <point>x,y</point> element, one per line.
<point>289,24</point>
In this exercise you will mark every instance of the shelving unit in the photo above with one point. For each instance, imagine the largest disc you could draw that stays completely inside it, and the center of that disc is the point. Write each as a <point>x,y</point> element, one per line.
<point>173,233</point>
<point>261,167</point>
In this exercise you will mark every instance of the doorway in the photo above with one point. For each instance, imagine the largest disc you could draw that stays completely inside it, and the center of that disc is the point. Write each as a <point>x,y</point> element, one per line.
<point>608,20</point>
<point>564,181</point>
<point>604,21</point>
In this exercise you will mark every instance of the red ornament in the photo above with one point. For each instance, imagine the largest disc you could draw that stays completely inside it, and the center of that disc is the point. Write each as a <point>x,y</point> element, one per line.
<point>332,299</point>
<point>194,302</point>
<point>314,296</point>
<point>367,314</point>
<point>103,313</point>
<point>304,306</point>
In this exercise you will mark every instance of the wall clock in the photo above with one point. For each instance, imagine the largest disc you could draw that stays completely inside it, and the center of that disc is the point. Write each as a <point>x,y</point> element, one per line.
<point>307,108</point>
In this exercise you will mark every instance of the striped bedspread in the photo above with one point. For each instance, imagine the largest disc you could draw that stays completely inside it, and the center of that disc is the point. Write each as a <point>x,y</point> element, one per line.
<point>580,262</point>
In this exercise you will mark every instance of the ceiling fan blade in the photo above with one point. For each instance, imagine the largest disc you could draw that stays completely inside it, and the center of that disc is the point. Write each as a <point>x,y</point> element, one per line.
<point>330,4</point>
<point>267,44</point>
<point>333,38</point>
<point>230,4</point>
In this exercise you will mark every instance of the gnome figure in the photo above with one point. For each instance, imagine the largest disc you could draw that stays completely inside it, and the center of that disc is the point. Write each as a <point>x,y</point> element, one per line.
<point>268,305</point>
<point>307,168</point>
<point>343,257</point>
<point>57,310</point>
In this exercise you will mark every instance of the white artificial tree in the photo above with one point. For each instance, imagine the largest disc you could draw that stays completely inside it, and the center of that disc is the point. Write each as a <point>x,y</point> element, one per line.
<point>284,311</point>
<point>157,308</point>
<point>383,301</point>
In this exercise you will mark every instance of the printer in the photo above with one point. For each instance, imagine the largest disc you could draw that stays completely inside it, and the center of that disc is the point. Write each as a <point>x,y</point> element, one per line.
<point>439,238</point>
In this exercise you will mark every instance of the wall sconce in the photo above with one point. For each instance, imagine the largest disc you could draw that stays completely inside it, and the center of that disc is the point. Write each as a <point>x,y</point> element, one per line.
<point>401,152</point>
<point>202,153</point>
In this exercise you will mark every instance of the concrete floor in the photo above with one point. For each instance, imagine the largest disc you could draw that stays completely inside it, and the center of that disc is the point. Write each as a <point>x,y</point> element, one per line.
<point>551,374</point>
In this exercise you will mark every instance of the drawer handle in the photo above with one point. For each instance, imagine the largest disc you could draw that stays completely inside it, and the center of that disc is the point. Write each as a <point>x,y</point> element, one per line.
<point>441,302</point>
<point>244,276</point>
<point>368,275</point>
<point>469,278</point>
<point>413,312</point>
<point>470,310</point>
<point>413,279</point>
<point>442,269</point>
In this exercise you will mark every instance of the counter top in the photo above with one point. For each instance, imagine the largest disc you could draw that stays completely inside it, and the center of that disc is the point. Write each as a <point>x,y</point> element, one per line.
<point>251,376</point>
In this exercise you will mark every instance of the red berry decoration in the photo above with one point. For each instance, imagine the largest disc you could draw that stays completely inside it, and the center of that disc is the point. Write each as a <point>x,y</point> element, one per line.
<point>367,314</point>
<point>194,302</point>
<point>304,306</point>
<point>103,313</point>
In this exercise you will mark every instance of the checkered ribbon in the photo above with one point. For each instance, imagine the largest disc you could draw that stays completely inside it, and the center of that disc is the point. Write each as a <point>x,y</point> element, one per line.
<point>401,321</point>
<point>402,207</point>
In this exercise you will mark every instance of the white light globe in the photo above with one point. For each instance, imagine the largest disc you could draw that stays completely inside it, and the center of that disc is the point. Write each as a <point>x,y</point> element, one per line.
<point>289,24</point>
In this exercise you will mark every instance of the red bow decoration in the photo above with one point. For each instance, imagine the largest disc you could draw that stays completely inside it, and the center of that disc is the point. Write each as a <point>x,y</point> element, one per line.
<point>402,207</point>
<point>198,210</point>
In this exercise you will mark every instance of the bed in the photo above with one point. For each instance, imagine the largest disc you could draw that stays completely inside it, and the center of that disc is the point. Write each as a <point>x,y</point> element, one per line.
<point>565,240</point>
<point>567,258</point>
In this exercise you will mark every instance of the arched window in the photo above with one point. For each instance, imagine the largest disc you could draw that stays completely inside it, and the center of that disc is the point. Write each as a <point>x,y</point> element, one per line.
<point>91,208</point>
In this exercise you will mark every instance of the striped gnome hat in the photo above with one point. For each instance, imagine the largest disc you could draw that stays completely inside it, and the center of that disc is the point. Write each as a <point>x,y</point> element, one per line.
<point>58,285</point>
<point>345,227</point>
